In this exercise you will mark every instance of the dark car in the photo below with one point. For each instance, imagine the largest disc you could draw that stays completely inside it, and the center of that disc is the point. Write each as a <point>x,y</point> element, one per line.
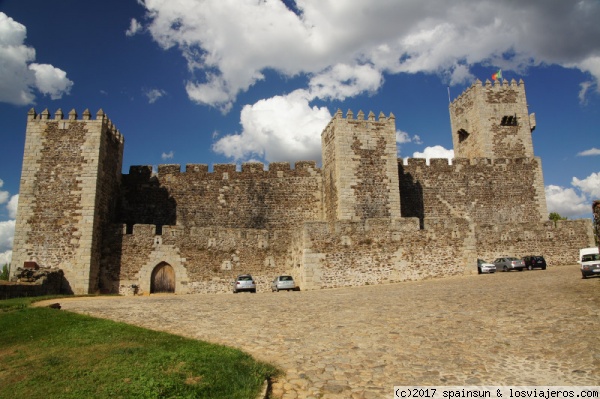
<point>534,261</point>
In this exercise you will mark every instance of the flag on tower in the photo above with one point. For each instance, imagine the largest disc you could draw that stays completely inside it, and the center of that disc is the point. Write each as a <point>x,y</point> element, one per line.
<point>497,75</point>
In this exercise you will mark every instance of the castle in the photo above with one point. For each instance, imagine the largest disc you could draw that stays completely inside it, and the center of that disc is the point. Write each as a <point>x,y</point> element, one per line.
<point>364,217</point>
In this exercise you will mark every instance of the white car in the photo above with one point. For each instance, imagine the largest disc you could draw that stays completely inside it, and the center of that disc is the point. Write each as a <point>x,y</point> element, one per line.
<point>485,267</point>
<point>283,283</point>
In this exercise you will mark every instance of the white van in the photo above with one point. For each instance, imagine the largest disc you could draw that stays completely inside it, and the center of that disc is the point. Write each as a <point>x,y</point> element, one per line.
<point>589,261</point>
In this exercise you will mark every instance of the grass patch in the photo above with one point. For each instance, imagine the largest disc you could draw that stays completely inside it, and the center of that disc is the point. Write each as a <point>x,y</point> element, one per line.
<point>49,353</point>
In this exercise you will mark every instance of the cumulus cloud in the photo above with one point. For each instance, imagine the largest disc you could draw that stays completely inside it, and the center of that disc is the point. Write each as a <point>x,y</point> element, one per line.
<point>51,81</point>
<point>19,75</point>
<point>7,233</point>
<point>566,201</point>
<point>589,186</point>
<point>574,201</point>
<point>345,47</point>
<point>591,151</point>
<point>168,155</point>
<point>436,151</point>
<point>278,129</point>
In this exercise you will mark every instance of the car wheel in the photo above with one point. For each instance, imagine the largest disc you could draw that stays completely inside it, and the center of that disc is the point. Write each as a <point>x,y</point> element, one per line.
<point>254,291</point>
<point>235,291</point>
<point>276,289</point>
<point>479,270</point>
<point>529,267</point>
<point>583,275</point>
<point>520,269</point>
<point>543,267</point>
<point>505,269</point>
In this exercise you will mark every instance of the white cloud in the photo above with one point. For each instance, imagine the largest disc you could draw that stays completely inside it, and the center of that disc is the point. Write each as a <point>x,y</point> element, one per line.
<point>566,202</point>
<point>577,201</point>
<point>403,137</point>
<point>278,129</point>
<point>19,76</point>
<point>591,151</point>
<point>12,206</point>
<point>134,27</point>
<point>345,47</point>
<point>5,257</point>
<point>435,152</point>
<point>589,186</point>
<point>7,234</point>
<point>168,155</point>
<point>154,94</point>
<point>51,81</point>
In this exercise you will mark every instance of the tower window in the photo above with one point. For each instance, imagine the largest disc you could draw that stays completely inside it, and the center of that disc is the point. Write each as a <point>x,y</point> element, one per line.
<point>509,120</point>
<point>462,135</point>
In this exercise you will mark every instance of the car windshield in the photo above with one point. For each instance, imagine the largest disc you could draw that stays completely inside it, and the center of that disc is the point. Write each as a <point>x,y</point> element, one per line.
<point>285,278</point>
<point>591,257</point>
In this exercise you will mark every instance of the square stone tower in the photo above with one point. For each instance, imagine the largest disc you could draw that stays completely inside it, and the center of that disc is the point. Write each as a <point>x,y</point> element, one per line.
<point>492,121</point>
<point>360,168</point>
<point>69,185</point>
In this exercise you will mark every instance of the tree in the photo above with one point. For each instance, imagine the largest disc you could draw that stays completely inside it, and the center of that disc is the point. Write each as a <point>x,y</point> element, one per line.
<point>555,216</point>
<point>4,273</point>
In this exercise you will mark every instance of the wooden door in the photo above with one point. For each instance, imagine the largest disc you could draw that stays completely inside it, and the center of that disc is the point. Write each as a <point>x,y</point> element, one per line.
<point>163,279</point>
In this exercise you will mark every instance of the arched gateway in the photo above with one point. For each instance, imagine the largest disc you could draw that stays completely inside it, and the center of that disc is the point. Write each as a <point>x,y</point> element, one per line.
<point>163,279</point>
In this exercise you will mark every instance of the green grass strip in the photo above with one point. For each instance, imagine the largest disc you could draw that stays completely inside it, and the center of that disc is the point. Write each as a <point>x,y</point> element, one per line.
<point>48,353</point>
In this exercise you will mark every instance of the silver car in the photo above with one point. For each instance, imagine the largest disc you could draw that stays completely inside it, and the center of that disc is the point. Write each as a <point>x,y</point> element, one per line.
<point>244,282</point>
<point>283,283</point>
<point>485,267</point>
<point>508,263</point>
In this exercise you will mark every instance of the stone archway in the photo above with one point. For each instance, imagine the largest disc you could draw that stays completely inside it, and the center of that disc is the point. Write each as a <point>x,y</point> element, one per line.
<point>162,279</point>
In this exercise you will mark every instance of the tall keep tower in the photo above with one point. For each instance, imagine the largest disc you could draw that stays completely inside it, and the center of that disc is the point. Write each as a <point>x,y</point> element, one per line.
<point>492,121</point>
<point>69,184</point>
<point>360,167</point>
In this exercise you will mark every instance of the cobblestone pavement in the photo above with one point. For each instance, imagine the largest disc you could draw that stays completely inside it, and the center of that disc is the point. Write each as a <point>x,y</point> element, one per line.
<point>518,328</point>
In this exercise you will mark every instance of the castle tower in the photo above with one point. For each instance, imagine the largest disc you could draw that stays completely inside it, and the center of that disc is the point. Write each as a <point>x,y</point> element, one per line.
<point>492,121</point>
<point>360,167</point>
<point>70,178</point>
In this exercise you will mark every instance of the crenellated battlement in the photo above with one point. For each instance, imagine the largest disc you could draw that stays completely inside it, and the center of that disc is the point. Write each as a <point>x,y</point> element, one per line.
<point>496,86</point>
<point>229,171</point>
<point>360,117</point>
<point>45,117</point>
<point>445,162</point>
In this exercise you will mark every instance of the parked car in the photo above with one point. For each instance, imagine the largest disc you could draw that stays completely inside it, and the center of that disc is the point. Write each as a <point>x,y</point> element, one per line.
<point>590,262</point>
<point>485,267</point>
<point>283,283</point>
<point>244,282</point>
<point>533,261</point>
<point>508,263</point>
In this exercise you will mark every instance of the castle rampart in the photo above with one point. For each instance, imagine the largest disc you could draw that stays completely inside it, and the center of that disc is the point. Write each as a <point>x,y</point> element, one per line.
<point>365,217</point>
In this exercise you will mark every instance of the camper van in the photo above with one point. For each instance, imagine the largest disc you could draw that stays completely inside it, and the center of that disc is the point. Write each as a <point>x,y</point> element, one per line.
<point>590,262</point>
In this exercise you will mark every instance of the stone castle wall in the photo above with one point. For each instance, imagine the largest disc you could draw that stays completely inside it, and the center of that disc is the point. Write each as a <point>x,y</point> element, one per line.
<point>277,198</point>
<point>487,191</point>
<point>208,258</point>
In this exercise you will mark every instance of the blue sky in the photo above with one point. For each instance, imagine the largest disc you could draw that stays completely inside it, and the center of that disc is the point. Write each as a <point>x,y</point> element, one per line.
<point>229,81</point>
